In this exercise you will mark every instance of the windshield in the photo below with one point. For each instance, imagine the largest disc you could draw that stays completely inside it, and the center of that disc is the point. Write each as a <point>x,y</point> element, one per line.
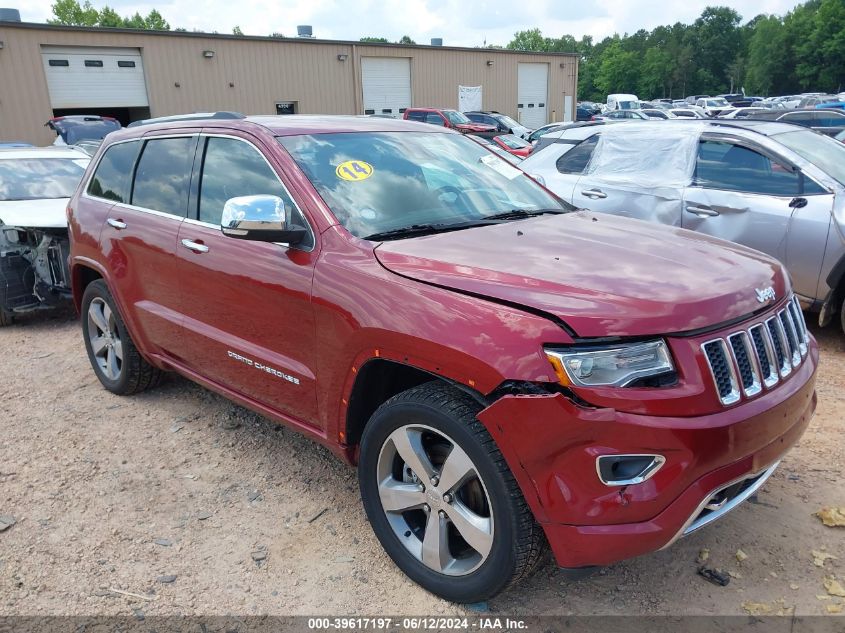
<point>825,153</point>
<point>40,178</point>
<point>456,118</point>
<point>717,102</point>
<point>514,142</point>
<point>509,122</point>
<point>383,181</point>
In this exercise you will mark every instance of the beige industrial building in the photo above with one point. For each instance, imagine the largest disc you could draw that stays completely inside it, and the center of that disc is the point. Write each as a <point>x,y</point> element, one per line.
<point>48,70</point>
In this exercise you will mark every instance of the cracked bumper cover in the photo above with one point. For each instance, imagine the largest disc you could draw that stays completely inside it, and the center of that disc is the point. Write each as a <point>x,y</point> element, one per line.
<point>551,445</point>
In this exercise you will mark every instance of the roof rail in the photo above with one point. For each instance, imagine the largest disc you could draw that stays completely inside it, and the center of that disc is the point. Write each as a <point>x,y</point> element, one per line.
<point>196,116</point>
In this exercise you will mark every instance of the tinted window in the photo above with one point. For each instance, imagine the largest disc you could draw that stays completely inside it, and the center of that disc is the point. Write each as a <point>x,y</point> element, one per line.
<point>731,167</point>
<point>828,119</point>
<point>799,118</point>
<point>434,118</point>
<point>113,175</point>
<point>575,160</point>
<point>161,179</point>
<point>234,168</point>
<point>416,115</point>
<point>478,118</point>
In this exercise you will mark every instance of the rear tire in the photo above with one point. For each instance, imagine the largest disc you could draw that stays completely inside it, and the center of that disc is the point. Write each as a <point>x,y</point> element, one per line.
<point>6,318</point>
<point>440,497</point>
<point>116,361</point>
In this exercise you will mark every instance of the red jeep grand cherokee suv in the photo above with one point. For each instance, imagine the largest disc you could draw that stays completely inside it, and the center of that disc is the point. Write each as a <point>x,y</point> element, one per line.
<point>503,370</point>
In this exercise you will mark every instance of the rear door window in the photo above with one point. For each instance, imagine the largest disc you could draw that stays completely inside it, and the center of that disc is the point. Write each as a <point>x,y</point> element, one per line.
<point>575,161</point>
<point>163,174</point>
<point>113,175</point>
<point>729,167</point>
<point>434,118</point>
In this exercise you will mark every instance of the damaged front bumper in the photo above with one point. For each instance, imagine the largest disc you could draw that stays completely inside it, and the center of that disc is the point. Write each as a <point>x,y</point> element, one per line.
<point>552,445</point>
<point>34,270</point>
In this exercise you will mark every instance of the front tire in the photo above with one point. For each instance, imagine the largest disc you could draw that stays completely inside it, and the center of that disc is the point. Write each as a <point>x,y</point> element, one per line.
<point>440,497</point>
<point>6,318</point>
<point>116,361</point>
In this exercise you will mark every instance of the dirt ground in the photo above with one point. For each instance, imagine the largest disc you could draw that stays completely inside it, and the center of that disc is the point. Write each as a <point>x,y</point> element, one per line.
<point>200,507</point>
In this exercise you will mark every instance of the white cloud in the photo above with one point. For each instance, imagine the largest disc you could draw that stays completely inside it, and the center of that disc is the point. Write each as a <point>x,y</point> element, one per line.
<point>458,22</point>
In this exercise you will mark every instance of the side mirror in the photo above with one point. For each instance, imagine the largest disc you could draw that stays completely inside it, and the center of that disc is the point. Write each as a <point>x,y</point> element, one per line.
<point>261,219</point>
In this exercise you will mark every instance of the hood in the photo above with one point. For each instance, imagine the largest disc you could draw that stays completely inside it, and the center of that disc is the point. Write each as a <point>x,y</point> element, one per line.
<point>474,127</point>
<point>603,275</point>
<point>36,214</point>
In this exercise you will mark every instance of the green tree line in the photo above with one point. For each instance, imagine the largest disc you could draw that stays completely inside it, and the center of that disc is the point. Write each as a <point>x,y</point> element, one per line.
<point>72,13</point>
<point>769,55</point>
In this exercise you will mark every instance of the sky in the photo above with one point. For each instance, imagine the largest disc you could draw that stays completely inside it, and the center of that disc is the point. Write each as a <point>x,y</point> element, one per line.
<point>458,22</point>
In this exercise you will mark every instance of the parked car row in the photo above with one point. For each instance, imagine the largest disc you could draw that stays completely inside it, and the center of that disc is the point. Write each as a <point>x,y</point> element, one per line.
<point>777,188</point>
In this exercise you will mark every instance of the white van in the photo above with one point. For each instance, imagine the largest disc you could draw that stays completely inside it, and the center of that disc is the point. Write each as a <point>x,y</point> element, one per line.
<point>623,102</point>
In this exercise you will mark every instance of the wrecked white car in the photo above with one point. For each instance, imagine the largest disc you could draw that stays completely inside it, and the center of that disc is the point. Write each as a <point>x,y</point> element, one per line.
<point>35,184</point>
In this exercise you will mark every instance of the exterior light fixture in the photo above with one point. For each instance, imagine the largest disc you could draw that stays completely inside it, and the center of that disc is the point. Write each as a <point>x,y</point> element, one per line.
<point>342,57</point>
<point>489,62</point>
<point>1,43</point>
<point>208,54</point>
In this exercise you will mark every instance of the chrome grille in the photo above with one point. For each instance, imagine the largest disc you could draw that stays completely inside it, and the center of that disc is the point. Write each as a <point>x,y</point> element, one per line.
<point>746,361</point>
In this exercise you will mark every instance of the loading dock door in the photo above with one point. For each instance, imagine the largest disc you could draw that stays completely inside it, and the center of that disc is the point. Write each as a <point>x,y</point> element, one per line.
<point>94,77</point>
<point>532,94</point>
<point>386,83</point>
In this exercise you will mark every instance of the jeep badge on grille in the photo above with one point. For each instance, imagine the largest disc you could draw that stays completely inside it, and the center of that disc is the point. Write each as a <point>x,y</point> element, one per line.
<point>765,294</point>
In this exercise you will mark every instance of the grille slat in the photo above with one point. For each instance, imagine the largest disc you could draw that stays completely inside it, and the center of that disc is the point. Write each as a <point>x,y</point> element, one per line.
<point>761,355</point>
<point>765,354</point>
<point>722,370</point>
<point>791,336</point>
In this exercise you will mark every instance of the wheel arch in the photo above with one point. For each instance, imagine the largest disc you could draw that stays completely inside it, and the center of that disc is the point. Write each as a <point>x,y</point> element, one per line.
<point>378,380</point>
<point>81,276</point>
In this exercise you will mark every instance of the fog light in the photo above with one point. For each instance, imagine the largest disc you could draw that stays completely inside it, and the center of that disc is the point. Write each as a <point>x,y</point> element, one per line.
<point>627,470</point>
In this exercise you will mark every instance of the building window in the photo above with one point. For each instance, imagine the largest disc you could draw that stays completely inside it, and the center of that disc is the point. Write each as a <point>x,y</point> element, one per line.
<point>124,64</point>
<point>94,63</point>
<point>286,107</point>
<point>59,62</point>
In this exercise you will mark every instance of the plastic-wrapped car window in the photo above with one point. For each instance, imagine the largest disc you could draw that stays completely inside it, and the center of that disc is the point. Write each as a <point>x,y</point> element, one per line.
<point>646,154</point>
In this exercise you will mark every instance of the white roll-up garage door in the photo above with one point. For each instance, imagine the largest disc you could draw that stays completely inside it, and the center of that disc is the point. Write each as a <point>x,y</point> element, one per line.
<point>94,77</point>
<point>386,83</point>
<point>532,94</point>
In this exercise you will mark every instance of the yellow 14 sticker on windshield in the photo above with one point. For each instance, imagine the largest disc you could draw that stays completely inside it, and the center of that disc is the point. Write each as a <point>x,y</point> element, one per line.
<point>354,170</point>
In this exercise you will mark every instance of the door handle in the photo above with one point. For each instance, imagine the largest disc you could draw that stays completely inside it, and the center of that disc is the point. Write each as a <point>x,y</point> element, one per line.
<point>702,211</point>
<point>594,194</point>
<point>116,224</point>
<point>196,247</point>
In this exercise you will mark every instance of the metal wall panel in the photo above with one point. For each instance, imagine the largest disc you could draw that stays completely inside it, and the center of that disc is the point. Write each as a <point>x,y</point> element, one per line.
<point>251,75</point>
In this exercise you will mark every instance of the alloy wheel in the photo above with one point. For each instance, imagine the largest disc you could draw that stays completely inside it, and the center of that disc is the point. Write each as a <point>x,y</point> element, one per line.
<point>435,500</point>
<point>104,338</point>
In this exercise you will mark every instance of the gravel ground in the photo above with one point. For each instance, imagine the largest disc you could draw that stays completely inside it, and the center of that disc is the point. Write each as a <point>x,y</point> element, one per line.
<point>197,506</point>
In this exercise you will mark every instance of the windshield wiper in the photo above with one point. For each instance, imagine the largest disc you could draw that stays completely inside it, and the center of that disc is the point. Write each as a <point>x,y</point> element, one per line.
<point>518,214</point>
<point>426,229</point>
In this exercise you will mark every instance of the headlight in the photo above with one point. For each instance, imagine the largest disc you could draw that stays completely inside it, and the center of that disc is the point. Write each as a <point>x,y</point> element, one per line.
<point>610,366</point>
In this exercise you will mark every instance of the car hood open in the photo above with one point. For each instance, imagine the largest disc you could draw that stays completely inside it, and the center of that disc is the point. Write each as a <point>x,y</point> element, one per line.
<point>36,214</point>
<point>602,275</point>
